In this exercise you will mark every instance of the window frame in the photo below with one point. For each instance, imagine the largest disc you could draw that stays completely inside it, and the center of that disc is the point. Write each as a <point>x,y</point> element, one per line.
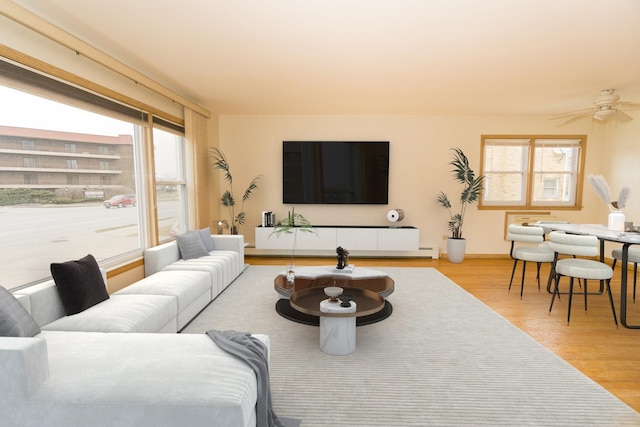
<point>530,172</point>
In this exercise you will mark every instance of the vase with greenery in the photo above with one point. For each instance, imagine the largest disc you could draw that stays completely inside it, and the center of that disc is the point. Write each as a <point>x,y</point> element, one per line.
<point>292,224</point>
<point>228,200</point>
<point>471,187</point>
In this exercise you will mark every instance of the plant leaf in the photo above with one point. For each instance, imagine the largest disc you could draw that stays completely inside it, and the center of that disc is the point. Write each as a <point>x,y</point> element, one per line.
<point>600,186</point>
<point>220,162</point>
<point>227,199</point>
<point>253,185</point>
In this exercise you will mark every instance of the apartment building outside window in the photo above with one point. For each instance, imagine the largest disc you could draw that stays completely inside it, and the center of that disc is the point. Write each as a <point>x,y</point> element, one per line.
<point>532,172</point>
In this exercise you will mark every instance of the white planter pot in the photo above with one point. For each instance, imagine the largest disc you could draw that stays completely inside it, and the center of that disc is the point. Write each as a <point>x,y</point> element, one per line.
<point>456,249</point>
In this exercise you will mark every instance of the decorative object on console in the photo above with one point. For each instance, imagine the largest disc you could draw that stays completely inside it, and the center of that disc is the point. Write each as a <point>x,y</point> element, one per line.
<point>472,185</point>
<point>268,219</point>
<point>395,215</point>
<point>227,199</point>
<point>616,218</point>
<point>343,257</point>
<point>222,225</point>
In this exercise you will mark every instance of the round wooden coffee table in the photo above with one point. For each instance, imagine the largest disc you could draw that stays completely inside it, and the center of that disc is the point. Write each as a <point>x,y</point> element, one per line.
<point>322,277</point>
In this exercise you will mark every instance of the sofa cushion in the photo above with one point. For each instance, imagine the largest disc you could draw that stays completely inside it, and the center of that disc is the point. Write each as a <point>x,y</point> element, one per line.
<point>79,283</point>
<point>207,240</point>
<point>15,320</point>
<point>192,290</point>
<point>190,245</point>
<point>123,313</point>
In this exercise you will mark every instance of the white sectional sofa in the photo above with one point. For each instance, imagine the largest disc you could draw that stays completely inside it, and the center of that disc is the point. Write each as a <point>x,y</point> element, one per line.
<point>117,364</point>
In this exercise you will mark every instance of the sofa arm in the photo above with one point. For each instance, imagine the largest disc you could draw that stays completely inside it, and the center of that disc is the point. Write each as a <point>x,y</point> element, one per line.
<point>232,242</point>
<point>229,242</point>
<point>24,366</point>
<point>158,257</point>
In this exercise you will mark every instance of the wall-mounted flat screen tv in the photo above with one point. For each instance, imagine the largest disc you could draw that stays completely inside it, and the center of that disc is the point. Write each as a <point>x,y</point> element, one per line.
<point>335,172</point>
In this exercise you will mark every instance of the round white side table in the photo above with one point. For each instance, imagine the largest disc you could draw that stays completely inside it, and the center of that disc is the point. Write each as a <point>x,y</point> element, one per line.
<point>337,334</point>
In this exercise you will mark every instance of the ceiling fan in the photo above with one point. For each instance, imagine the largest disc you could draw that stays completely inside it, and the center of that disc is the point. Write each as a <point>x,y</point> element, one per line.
<point>606,107</point>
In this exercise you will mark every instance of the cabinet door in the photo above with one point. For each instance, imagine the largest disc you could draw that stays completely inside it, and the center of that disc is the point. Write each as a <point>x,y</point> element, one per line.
<point>324,238</point>
<point>364,239</point>
<point>264,239</point>
<point>398,239</point>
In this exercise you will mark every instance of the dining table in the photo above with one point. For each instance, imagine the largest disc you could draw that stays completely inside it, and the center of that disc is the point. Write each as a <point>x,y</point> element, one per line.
<point>604,234</point>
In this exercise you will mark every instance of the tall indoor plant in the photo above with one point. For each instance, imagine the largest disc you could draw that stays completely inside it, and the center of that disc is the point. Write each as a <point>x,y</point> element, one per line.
<point>471,187</point>
<point>220,162</point>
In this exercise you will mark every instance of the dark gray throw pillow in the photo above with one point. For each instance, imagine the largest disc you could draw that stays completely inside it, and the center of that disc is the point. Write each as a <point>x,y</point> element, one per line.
<point>190,245</point>
<point>79,284</point>
<point>15,320</point>
<point>207,240</point>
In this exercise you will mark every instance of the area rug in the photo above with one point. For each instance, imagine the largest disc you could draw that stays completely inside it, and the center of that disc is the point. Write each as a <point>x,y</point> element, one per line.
<point>442,359</point>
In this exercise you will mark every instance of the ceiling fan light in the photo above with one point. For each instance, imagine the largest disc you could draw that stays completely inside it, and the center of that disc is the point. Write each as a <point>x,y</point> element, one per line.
<point>604,115</point>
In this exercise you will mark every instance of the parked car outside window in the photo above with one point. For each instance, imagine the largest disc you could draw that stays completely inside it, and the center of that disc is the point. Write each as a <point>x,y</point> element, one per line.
<point>120,201</point>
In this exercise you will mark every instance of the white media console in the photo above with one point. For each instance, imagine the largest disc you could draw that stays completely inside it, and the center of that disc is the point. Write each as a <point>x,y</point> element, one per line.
<point>354,239</point>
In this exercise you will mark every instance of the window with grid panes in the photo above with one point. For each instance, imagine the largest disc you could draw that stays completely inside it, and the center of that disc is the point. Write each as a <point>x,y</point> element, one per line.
<point>533,172</point>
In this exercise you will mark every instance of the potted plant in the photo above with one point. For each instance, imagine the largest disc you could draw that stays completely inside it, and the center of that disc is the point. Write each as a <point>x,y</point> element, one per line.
<point>472,185</point>
<point>291,225</point>
<point>227,199</point>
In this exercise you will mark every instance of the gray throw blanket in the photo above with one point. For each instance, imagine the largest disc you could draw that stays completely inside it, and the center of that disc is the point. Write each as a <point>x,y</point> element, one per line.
<point>255,353</point>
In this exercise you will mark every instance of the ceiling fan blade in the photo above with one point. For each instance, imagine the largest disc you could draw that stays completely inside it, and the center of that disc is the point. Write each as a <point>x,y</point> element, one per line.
<point>578,117</point>
<point>621,116</point>
<point>572,113</point>
<point>629,105</point>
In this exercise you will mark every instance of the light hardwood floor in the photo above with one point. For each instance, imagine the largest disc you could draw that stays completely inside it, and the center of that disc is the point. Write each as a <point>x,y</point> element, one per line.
<point>591,343</point>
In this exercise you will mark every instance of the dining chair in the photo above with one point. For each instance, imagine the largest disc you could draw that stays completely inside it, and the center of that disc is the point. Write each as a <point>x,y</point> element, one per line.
<point>634,257</point>
<point>525,251</point>
<point>580,268</point>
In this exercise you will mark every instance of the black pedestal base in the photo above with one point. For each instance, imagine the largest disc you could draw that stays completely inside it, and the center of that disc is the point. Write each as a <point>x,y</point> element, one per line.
<point>285,310</point>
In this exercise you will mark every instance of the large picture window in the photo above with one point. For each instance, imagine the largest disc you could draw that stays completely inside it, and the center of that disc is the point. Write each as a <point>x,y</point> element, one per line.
<point>533,172</point>
<point>60,167</point>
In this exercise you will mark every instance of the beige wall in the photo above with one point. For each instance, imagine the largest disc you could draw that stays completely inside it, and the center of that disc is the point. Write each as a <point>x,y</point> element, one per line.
<point>418,167</point>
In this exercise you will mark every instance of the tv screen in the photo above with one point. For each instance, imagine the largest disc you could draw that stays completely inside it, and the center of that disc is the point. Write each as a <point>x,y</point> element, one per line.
<point>332,172</point>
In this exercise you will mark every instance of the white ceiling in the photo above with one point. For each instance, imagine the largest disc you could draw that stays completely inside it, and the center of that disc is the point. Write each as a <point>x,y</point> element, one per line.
<point>369,56</point>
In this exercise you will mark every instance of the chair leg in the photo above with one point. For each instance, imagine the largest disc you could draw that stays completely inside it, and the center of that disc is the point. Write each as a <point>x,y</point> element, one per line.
<point>538,275</point>
<point>570,298</point>
<point>524,268</point>
<point>513,271</point>
<point>613,307</point>
<point>635,280</point>
<point>585,294</point>
<point>555,291</point>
